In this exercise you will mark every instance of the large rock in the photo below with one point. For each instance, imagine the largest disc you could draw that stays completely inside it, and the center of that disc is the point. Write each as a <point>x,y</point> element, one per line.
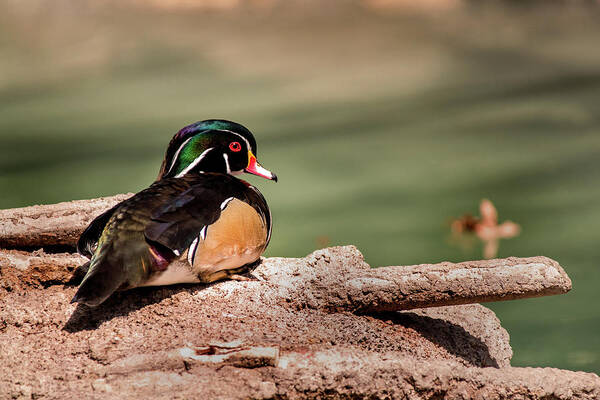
<point>276,336</point>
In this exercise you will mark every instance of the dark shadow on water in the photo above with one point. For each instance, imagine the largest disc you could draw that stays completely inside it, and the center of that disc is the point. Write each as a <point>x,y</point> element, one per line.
<point>454,338</point>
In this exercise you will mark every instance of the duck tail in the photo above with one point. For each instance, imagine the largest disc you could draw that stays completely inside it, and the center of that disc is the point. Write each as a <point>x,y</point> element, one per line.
<point>105,275</point>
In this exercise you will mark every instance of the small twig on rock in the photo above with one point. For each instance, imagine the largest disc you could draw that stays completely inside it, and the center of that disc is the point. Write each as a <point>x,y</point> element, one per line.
<point>241,356</point>
<point>51,224</point>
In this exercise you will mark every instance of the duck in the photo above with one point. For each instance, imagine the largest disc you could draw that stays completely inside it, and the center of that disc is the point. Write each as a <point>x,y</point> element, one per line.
<point>197,223</point>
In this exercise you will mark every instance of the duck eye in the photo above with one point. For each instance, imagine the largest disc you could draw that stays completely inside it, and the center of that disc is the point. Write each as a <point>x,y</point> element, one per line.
<point>235,146</point>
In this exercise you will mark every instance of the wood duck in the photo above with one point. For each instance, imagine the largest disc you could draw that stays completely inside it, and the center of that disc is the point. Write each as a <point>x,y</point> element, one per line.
<point>195,223</point>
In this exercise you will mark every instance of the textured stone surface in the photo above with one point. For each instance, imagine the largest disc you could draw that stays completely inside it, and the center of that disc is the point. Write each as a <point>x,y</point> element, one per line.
<point>281,338</point>
<point>51,224</point>
<point>351,284</point>
<point>20,270</point>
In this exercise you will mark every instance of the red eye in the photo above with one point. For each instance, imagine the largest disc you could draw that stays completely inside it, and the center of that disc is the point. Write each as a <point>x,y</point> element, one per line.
<point>235,146</point>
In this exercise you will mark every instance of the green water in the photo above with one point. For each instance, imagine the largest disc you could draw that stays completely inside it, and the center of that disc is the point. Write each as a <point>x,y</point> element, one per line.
<point>379,127</point>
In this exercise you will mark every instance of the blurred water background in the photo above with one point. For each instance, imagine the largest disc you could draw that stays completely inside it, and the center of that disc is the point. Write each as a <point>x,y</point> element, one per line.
<point>382,121</point>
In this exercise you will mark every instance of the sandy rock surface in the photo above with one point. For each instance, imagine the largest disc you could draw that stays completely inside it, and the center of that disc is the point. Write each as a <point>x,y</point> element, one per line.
<point>51,224</point>
<point>263,338</point>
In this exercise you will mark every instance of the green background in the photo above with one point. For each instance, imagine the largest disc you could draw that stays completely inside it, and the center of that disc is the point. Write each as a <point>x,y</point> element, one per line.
<point>381,125</point>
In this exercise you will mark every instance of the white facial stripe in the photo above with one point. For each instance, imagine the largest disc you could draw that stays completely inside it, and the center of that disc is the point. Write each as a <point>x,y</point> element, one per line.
<point>235,133</point>
<point>177,154</point>
<point>192,252</point>
<point>225,202</point>
<point>226,158</point>
<point>203,233</point>
<point>194,163</point>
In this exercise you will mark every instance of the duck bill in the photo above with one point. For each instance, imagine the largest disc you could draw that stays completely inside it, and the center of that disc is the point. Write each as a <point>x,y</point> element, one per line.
<point>256,169</point>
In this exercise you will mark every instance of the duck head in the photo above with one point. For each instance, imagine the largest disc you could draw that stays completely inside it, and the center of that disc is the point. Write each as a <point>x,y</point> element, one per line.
<point>212,145</point>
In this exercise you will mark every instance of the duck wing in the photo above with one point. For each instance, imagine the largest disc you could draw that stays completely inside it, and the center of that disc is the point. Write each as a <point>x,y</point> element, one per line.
<point>176,224</point>
<point>88,241</point>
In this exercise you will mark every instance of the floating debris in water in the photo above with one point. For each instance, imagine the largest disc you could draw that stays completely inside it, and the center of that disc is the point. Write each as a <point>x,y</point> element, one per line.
<point>485,227</point>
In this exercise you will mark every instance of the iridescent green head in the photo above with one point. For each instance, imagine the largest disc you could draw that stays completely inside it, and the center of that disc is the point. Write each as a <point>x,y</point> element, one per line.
<point>212,145</point>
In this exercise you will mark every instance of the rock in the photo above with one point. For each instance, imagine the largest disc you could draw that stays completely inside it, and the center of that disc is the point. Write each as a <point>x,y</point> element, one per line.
<point>292,332</point>
<point>51,224</point>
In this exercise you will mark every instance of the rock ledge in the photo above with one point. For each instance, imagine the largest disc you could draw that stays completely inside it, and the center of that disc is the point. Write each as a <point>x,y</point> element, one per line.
<point>323,326</point>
